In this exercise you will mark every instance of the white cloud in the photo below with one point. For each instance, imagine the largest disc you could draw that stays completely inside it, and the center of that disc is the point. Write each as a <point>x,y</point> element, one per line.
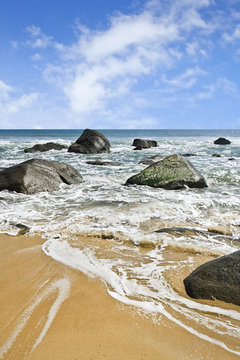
<point>4,90</point>
<point>10,103</point>
<point>185,80</point>
<point>102,65</point>
<point>36,57</point>
<point>235,35</point>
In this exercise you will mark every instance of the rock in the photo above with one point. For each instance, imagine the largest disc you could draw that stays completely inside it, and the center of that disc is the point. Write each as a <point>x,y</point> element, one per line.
<point>106,163</point>
<point>173,172</point>
<point>216,279</point>
<point>231,159</point>
<point>189,154</point>
<point>222,141</point>
<point>150,160</point>
<point>45,147</point>
<point>38,175</point>
<point>91,142</point>
<point>23,229</point>
<point>216,155</point>
<point>143,144</point>
<point>190,232</point>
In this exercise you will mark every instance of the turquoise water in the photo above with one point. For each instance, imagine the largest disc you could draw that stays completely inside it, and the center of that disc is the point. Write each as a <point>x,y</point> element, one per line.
<point>101,205</point>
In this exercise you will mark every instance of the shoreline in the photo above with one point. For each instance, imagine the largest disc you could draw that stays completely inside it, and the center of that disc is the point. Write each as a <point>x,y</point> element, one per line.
<point>49,310</point>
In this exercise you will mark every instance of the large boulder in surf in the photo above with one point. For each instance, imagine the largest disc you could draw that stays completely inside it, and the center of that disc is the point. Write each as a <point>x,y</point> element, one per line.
<point>173,172</point>
<point>222,141</point>
<point>91,142</point>
<point>216,279</point>
<point>38,175</point>
<point>143,144</point>
<point>45,147</point>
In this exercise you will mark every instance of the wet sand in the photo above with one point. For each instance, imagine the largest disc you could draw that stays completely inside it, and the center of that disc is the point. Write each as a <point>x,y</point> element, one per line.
<point>50,311</point>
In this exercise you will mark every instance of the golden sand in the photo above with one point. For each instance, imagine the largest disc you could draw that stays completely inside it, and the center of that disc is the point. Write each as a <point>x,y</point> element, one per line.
<point>50,311</point>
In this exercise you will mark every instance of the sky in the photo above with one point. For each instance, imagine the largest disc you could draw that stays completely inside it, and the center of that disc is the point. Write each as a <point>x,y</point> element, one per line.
<point>118,64</point>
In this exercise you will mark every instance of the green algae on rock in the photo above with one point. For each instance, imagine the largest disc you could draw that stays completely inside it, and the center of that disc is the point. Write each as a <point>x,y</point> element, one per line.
<point>171,173</point>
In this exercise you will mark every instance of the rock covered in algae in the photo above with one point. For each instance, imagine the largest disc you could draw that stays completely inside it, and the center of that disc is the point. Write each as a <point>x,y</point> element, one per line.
<point>173,172</point>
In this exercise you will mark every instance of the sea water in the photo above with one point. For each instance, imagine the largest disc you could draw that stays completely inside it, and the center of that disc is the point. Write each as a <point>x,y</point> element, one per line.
<point>138,266</point>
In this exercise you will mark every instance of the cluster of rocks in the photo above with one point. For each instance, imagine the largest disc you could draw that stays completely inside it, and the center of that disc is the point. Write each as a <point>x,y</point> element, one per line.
<point>217,279</point>
<point>90,142</point>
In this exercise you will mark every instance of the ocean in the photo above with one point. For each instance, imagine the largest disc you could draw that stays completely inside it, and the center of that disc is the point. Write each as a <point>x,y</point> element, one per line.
<point>138,266</point>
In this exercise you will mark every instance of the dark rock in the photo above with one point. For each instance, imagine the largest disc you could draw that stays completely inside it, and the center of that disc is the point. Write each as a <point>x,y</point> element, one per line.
<point>91,142</point>
<point>189,154</point>
<point>143,144</point>
<point>106,163</point>
<point>38,175</point>
<point>151,160</point>
<point>216,279</point>
<point>216,155</point>
<point>23,229</point>
<point>232,158</point>
<point>190,232</point>
<point>222,141</point>
<point>173,172</point>
<point>45,147</point>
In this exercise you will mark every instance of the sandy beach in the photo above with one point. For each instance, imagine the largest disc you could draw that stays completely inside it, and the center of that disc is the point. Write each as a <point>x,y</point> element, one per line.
<point>50,311</point>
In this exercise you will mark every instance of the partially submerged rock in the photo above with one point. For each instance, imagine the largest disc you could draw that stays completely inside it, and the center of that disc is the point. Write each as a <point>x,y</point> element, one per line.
<point>103,163</point>
<point>189,154</point>
<point>151,159</point>
<point>173,172</point>
<point>222,141</point>
<point>216,155</point>
<point>38,175</point>
<point>216,279</point>
<point>91,142</point>
<point>45,147</point>
<point>143,144</point>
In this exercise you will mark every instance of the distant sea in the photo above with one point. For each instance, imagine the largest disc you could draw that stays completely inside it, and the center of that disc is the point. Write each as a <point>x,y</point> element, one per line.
<point>139,264</point>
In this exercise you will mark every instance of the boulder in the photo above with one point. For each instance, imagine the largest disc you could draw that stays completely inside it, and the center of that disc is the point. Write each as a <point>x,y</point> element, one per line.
<point>38,175</point>
<point>216,279</point>
<point>103,163</point>
<point>45,147</point>
<point>143,144</point>
<point>222,141</point>
<point>216,155</point>
<point>171,173</point>
<point>90,142</point>
<point>151,159</point>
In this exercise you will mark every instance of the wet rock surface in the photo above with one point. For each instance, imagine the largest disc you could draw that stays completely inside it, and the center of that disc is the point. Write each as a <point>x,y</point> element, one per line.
<point>37,175</point>
<point>222,141</point>
<point>216,279</point>
<point>45,147</point>
<point>91,142</point>
<point>171,173</point>
<point>143,144</point>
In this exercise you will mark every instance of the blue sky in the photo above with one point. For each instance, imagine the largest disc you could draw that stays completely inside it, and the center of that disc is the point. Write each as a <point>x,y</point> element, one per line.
<point>120,64</point>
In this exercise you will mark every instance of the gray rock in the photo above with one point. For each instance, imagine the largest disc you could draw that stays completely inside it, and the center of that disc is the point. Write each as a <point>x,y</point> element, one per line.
<point>143,144</point>
<point>173,172</point>
<point>222,141</point>
<point>151,160</point>
<point>103,163</point>
<point>90,142</point>
<point>216,279</point>
<point>38,175</point>
<point>189,154</point>
<point>45,147</point>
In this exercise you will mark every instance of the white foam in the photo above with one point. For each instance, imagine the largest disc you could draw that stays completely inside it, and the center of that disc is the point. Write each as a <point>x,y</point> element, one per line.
<point>63,287</point>
<point>147,283</point>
